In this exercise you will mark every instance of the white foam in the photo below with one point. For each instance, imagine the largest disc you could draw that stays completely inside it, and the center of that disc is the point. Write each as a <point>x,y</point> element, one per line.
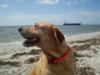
<point>82,36</point>
<point>94,60</point>
<point>11,43</point>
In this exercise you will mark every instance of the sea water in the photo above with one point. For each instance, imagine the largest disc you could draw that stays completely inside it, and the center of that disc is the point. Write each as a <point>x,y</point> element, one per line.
<point>10,34</point>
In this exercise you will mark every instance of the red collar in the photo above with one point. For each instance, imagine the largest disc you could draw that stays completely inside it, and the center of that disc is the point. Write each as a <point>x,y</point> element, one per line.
<point>62,58</point>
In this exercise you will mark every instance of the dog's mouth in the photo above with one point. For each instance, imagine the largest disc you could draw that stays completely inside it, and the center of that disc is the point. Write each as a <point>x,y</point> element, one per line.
<point>31,41</point>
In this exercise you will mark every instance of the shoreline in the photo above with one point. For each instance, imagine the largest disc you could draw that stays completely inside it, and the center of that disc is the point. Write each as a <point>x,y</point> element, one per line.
<point>69,38</point>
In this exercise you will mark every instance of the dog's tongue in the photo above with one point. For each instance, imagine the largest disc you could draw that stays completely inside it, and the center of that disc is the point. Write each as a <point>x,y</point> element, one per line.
<point>34,39</point>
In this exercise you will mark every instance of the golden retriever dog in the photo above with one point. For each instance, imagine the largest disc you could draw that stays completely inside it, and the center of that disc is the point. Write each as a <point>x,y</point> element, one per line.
<point>56,56</point>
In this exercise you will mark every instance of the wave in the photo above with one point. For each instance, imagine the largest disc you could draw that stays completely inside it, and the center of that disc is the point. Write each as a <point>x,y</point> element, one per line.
<point>76,37</point>
<point>11,43</point>
<point>83,36</point>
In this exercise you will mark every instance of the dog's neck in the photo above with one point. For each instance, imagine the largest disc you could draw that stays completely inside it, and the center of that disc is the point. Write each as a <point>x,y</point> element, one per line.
<point>58,52</point>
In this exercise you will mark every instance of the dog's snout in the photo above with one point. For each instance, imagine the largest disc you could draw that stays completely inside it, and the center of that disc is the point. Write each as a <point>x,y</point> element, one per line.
<point>20,29</point>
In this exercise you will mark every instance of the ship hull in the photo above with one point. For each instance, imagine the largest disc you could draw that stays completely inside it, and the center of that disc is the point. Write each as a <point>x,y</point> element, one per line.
<point>72,24</point>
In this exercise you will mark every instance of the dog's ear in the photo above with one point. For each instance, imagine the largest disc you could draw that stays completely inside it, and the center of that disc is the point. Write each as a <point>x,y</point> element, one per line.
<point>59,37</point>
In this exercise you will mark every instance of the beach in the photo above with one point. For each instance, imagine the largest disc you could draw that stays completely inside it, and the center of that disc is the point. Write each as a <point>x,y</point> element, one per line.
<point>15,59</point>
<point>29,22</point>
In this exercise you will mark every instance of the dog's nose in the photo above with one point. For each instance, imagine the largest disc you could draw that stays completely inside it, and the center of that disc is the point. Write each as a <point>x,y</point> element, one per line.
<point>20,29</point>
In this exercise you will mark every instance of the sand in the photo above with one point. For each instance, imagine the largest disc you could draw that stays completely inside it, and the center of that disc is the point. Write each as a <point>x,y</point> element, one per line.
<point>18,60</point>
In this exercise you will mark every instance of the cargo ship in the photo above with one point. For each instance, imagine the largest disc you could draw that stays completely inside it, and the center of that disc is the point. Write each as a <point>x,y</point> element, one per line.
<point>65,23</point>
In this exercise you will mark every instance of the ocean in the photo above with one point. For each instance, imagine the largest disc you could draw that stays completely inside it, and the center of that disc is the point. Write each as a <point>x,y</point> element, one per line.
<point>10,34</point>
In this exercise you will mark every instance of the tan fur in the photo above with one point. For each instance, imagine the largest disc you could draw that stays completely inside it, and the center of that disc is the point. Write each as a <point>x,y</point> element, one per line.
<point>49,41</point>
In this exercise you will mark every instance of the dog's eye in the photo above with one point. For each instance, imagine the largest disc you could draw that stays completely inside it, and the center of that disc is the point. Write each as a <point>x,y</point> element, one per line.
<point>36,26</point>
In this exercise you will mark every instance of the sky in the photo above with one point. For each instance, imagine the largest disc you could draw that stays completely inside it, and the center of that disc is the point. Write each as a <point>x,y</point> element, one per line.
<point>28,12</point>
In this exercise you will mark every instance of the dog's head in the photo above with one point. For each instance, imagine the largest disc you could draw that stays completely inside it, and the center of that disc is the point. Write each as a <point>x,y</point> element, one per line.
<point>42,34</point>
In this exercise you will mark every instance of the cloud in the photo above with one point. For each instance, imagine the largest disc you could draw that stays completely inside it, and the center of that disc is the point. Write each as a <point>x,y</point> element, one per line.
<point>20,16</point>
<point>68,2</point>
<point>3,6</point>
<point>49,2</point>
<point>89,14</point>
<point>29,19</point>
<point>86,17</point>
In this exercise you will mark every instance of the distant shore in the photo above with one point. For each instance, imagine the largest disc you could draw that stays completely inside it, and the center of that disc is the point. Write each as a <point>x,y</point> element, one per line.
<point>18,60</point>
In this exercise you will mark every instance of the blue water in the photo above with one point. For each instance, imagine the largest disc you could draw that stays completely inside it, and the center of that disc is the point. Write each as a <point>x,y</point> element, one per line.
<point>10,33</point>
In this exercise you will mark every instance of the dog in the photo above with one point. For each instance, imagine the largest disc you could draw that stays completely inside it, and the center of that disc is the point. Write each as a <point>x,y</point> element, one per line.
<point>56,57</point>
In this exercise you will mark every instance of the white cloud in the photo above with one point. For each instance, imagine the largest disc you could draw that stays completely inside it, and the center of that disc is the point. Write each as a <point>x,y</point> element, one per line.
<point>28,19</point>
<point>3,6</point>
<point>49,2</point>
<point>86,17</point>
<point>90,14</point>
